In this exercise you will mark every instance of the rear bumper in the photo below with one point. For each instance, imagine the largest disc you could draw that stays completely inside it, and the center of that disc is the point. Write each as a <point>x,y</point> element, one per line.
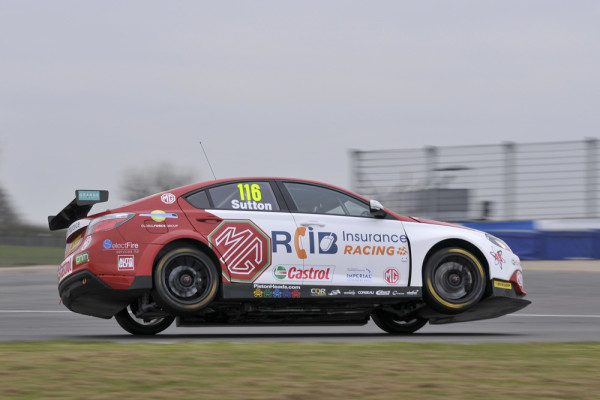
<point>85,293</point>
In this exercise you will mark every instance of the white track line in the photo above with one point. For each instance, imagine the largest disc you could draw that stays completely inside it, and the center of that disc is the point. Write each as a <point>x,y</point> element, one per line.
<point>553,315</point>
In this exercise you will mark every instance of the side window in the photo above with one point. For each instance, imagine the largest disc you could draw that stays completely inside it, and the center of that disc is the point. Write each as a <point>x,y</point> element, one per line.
<point>356,208</point>
<point>319,200</point>
<point>252,196</point>
<point>199,200</point>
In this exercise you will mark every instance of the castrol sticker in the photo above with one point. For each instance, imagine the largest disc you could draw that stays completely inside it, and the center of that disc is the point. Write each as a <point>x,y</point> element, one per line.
<point>303,274</point>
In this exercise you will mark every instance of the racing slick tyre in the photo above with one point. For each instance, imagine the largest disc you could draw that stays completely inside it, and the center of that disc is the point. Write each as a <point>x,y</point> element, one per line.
<point>138,326</point>
<point>397,325</point>
<point>185,281</point>
<point>453,280</point>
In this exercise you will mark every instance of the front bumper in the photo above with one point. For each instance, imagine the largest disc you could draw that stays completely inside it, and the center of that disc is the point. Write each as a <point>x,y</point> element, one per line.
<point>501,302</point>
<point>85,293</point>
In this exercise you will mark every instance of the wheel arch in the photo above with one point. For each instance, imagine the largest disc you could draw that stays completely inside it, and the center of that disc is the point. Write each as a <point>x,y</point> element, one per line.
<point>175,307</point>
<point>203,247</point>
<point>463,244</point>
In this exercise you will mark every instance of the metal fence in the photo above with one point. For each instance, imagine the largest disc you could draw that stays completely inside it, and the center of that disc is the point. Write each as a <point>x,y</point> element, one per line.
<point>509,181</point>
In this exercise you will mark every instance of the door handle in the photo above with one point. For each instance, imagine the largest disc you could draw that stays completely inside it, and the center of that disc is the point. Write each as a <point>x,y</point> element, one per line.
<point>312,223</point>
<point>208,220</point>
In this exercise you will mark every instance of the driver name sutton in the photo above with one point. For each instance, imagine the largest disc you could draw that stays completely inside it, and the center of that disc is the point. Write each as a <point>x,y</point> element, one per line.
<point>250,205</point>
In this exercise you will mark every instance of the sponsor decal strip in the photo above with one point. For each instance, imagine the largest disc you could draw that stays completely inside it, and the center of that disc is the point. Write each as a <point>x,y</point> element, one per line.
<point>291,291</point>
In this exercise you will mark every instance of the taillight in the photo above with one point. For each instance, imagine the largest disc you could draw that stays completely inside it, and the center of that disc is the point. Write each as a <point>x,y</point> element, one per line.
<point>108,222</point>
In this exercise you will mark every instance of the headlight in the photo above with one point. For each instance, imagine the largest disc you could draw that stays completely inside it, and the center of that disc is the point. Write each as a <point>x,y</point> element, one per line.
<point>498,242</point>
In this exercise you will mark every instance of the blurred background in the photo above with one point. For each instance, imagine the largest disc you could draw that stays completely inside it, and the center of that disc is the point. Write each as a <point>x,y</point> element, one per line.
<point>541,198</point>
<point>482,113</point>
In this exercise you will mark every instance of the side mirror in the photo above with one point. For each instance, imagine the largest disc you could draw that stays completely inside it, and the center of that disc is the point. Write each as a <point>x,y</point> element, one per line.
<point>377,209</point>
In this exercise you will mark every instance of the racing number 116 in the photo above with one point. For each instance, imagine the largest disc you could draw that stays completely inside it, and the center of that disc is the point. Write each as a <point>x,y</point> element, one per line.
<point>252,192</point>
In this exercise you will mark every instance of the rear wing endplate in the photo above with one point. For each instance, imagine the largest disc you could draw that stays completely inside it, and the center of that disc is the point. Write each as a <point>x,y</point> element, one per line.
<point>77,209</point>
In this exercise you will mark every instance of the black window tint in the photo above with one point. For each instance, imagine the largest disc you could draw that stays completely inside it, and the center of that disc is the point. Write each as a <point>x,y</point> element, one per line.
<point>249,196</point>
<point>199,200</point>
<point>319,200</point>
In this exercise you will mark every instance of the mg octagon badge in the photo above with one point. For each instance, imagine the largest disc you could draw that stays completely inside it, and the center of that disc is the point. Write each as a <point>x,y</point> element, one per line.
<point>245,249</point>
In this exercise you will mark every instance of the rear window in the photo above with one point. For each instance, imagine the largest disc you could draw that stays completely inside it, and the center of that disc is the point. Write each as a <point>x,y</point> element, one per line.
<point>199,200</point>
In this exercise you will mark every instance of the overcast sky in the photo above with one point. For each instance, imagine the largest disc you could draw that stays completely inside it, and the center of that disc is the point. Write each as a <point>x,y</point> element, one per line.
<point>89,90</point>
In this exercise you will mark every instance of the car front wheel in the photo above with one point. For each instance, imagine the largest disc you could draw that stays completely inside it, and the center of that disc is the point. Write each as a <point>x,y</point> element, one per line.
<point>454,280</point>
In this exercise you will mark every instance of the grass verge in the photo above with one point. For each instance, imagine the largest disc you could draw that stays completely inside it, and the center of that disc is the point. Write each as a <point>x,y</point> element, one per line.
<point>59,370</point>
<point>30,255</point>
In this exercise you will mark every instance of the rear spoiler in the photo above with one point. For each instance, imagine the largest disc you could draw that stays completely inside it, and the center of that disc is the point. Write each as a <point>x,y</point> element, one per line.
<point>77,209</point>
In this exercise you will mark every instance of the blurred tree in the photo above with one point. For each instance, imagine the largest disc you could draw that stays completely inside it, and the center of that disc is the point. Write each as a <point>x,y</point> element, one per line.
<point>8,217</point>
<point>144,182</point>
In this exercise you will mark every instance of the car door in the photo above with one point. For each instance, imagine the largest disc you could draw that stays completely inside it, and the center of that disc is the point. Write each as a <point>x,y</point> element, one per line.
<point>239,219</point>
<point>341,243</point>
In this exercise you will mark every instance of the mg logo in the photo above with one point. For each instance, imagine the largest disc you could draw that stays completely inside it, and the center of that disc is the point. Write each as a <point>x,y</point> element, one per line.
<point>391,276</point>
<point>168,198</point>
<point>245,249</point>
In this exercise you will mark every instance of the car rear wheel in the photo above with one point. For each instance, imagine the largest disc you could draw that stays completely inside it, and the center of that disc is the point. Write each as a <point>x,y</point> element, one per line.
<point>454,280</point>
<point>185,280</point>
<point>391,323</point>
<point>138,326</point>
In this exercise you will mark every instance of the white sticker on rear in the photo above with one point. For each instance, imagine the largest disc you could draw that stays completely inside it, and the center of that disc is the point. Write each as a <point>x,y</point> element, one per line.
<point>75,226</point>
<point>65,269</point>
<point>126,263</point>
<point>86,243</point>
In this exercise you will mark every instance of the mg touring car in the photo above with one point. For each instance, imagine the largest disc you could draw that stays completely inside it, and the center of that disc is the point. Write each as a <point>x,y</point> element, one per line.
<point>277,251</point>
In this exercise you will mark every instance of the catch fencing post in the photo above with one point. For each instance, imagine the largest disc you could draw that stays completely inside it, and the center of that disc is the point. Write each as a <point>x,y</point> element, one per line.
<point>430,194</point>
<point>509,180</point>
<point>591,187</point>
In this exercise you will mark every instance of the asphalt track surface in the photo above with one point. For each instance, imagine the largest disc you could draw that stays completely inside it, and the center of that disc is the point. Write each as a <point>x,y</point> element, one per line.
<point>565,296</point>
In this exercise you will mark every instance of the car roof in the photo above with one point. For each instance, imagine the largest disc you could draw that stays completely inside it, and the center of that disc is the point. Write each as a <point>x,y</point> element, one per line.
<point>182,190</point>
<point>195,186</point>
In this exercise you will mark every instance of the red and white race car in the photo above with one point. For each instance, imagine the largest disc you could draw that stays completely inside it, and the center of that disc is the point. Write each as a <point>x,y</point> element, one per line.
<point>277,251</point>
